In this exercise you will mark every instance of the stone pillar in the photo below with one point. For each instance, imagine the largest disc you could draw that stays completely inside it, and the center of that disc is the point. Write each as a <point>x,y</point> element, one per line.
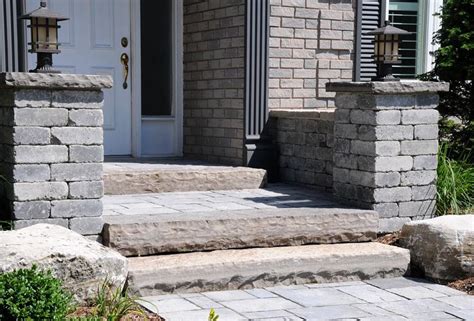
<point>51,144</point>
<point>385,150</point>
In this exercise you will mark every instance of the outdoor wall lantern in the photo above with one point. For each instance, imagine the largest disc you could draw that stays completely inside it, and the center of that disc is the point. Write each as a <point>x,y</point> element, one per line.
<point>386,47</point>
<point>44,36</point>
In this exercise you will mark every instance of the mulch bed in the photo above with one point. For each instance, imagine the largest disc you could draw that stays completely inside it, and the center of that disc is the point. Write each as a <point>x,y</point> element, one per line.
<point>466,285</point>
<point>86,312</point>
<point>390,239</point>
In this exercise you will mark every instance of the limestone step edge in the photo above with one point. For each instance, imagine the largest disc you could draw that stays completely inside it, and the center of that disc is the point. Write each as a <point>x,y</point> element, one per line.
<point>264,267</point>
<point>142,235</point>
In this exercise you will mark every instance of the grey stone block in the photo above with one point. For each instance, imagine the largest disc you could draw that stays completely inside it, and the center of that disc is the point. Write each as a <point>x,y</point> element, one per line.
<point>393,194</point>
<point>86,154</point>
<point>342,145</point>
<point>78,99</point>
<point>40,117</point>
<point>76,172</point>
<point>420,193</point>
<point>25,98</point>
<point>426,131</point>
<point>31,173</point>
<point>345,160</point>
<point>86,225</point>
<point>419,209</point>
<point>394,224</point>
<point>361,178</point>
<point>341,175</point>
<point>419,116</point>
<point>427,101</point>
<point>418,178</point>
<point>30,136</point>
<point>363,117</point>
<point>55,221</point>
<point>78,136</point>
<point>395,101</point>
<point>76,208</point>
<point>388,117</point>
<point>359,147</point>
<point>390,179</point>
<point>39,191</point>
<point>345,131</point>
<point>398,132</point>
<point>40,154</point>
<point>387,148</point>
<point>86,117</point>
<point>386,210</point>
<point>82,190</point>
<point>425,147</point>
<point>425,162</point>
<point>394,163</point>
<point>31,210</point>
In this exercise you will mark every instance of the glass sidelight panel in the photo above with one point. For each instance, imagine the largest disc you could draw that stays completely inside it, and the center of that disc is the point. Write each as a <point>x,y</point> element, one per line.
<point>156,57</point>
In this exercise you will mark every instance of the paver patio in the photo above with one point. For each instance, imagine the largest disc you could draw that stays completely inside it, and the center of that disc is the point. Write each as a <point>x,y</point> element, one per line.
<point>381,299</point>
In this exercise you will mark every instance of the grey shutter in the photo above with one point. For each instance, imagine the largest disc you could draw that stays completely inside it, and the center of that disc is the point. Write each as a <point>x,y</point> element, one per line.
<point>256,67</point>
<point>12,53</point>
<point>368,18</point>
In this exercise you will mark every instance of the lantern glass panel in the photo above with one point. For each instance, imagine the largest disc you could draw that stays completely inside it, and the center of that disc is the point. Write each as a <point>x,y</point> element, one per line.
<point>53,34</point>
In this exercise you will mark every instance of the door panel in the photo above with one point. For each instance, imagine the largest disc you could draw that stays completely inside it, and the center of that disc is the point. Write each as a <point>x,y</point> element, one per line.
<point>92,45</point>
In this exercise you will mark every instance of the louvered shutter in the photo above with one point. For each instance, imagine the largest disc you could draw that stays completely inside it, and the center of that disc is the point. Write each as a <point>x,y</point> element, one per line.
<point>11,31</point>
<point>368,18</point>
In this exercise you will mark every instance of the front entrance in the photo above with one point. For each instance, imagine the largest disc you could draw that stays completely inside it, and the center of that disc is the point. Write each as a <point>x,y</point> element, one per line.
<point>105,37</point>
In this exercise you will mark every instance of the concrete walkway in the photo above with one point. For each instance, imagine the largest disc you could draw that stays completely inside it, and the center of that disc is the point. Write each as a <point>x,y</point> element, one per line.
<point>382,299</point>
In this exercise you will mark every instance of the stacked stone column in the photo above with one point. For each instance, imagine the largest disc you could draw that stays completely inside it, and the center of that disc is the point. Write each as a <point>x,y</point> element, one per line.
<point>51,142</point>
<point>385,149</point>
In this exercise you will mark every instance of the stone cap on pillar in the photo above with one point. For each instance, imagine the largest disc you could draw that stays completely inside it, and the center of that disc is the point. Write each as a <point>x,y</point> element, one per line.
<point>390,87</point>
<point>24,80</point>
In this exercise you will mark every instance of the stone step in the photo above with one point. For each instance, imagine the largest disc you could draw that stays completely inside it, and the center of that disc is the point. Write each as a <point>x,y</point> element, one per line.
<point>264,267</point>
<point>140,235</point>
<point>137,177</point>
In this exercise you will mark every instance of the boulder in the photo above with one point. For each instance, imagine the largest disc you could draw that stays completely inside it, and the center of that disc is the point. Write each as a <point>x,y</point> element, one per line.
<point>443,247</point>
<point>83,265</point>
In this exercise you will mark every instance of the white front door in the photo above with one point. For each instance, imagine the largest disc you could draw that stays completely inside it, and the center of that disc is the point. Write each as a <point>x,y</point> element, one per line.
<point>92,44</point>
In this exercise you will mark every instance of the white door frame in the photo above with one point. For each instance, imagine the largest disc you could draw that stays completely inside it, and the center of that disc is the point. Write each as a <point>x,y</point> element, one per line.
<point>177,70</point>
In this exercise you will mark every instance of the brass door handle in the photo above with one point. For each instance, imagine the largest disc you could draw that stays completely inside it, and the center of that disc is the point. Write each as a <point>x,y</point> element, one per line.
<point>124,60</point>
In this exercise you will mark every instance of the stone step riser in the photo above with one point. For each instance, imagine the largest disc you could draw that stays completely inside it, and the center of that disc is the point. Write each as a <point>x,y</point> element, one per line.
<point>255,268</point>
<point>136,182</point>
<point>148,235</point>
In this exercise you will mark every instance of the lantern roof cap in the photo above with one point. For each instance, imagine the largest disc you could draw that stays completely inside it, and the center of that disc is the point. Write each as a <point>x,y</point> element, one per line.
<point>44,12</point>
<point>388,29</point>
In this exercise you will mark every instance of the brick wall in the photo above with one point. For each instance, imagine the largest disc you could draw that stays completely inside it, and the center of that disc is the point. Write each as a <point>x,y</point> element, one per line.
<point>311,43</point>
<point>214,49</point>
<point>304,140</point>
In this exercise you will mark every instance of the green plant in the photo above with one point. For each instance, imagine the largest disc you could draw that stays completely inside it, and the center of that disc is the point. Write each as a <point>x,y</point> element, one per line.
<point>455,184</point>
<point>32,294</point>
<point>213,316</point>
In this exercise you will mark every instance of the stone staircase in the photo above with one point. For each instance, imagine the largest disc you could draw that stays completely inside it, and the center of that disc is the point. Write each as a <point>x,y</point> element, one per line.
<point>239,237</point>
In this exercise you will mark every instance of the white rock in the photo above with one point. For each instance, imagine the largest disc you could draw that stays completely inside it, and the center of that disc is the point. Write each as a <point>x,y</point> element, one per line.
<point>81,264</point>
<point>443,247</point>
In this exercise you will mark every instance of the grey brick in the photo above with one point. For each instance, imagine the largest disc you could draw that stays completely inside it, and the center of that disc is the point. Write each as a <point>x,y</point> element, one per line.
<point>425,147</point>
<point>76,208</point>
<point>393,132</point>
<point>86,225</point>
<point>394,224</point>
<point>77,99</point>
<point>86,117</point>
<point>78,136</point>
<point>362,147</point>
<point>419,116</point>
<point>345,160</point>
<point>425,162</point>
<point>394,194</point>
<point>30,136</point>
<point>84,190</point>
<point>31,210</point>
<point>387,148</point>
<point>86,154</point>
<point>418,178</point>
<point>40,117</point>
<point>426,131</point>
<point>419,209</point>
<point>341,175</point>
<point>361,178</point>
<point>39,191</point>
<point>395,101</point>
<point>76,172</point>
<point>345,131</point>
<point>386,210</point>
<point>388,117</point>
<point>427,101</point>
<point>391,179</point>
<point>395,163</point>
<point>26,223</point>
<point>363,117</point>
<point>31,173</point>
<point>40,154</point>
<point>25,98</point>
<point>421,193</point>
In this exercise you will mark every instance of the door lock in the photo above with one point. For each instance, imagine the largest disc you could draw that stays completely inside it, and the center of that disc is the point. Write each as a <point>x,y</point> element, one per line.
<point>124,60</point>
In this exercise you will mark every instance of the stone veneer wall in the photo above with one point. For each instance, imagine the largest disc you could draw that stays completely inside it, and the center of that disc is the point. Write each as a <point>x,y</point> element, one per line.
<point>311,43</point>
<point>51,143</point>
<point>385,148</point>
<point>304,139</point>
<point>214,71</point>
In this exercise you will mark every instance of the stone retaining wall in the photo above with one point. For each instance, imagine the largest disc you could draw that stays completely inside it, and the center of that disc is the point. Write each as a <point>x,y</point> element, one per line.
<point>51,143</point>
<point>305,142</point>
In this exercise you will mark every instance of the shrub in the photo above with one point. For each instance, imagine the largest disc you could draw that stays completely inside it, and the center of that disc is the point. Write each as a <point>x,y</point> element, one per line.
<point>455,185</point>
<point>31,294</point>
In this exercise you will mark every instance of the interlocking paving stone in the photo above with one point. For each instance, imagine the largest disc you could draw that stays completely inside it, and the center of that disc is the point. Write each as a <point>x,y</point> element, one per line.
<point>397,282</point>
<point>418,306</point>
<point>203,302</point>
<point>443,289</point>
<point>318,297</point>
<point>171,305</point>
<point>436,315</point>
<point>257,305</point>
<point>261,293</point>
<point>462,302</point>
<point>335,285</point>
<point>224,315</point>
<point>329,312</point>
<point>282,314</point>
<point>467,315</point>
<point>370,293</point>
<point>220,296</point>
<point>416,292</point>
